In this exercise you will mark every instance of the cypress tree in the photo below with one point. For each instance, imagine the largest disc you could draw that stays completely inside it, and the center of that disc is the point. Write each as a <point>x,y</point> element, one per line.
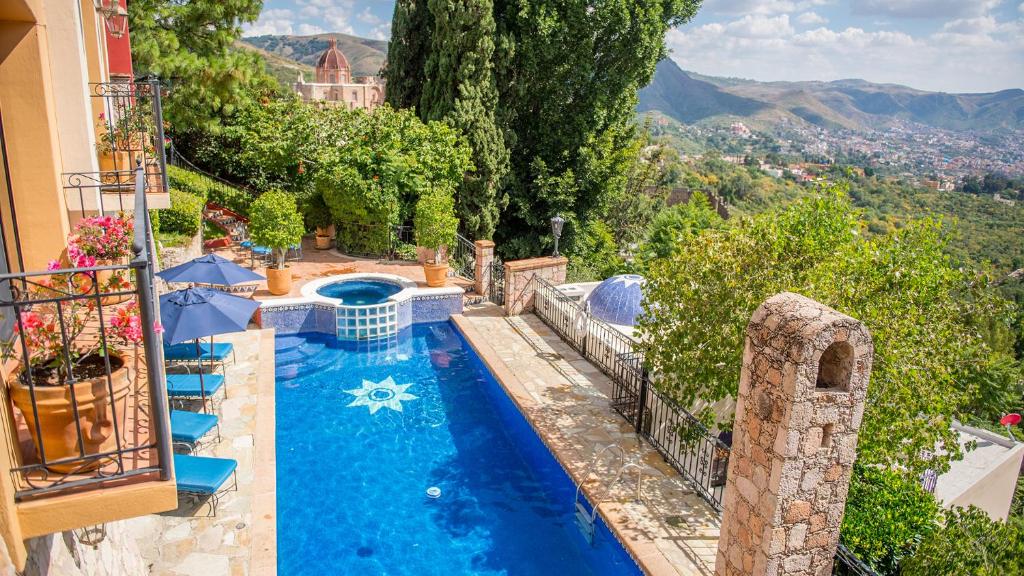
<point>407,53</point>
<point>460,89</point>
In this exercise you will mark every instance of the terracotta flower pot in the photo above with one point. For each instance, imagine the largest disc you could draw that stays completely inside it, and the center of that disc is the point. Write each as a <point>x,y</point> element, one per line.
<point>326,231</point>
<point>437,274</point>
<point>57,422</point>
<point>279,282</point>
<point>323,242</point>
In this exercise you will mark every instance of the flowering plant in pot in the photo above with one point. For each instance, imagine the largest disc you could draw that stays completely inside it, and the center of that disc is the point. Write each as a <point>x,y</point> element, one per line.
<point>70,372</point>
<point>274,222</point>
<point>436,228</point>
<point>102,241</point>
<point>318,215</point>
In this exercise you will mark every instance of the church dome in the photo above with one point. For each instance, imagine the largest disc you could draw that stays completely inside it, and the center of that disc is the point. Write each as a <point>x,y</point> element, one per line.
<point>332,66</point>
<point>618,300</point>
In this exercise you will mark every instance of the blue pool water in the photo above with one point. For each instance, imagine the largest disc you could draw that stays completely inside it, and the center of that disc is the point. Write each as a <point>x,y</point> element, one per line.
<point>360,292</point>
<point>353,472</point>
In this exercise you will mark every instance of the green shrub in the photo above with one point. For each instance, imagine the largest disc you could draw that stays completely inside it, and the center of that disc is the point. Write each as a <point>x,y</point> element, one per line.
<point>887,515</point>
<point>210,190</point>
<point>154,220</point>
<point>970,543</point>
<point>316,212</point>
<point>436,225</point>
<point>185,214</point>
<point>276,223</point>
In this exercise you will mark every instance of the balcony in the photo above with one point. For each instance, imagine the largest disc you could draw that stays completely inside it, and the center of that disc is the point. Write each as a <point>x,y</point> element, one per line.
<point>84,427</point>
<point>129,134</point>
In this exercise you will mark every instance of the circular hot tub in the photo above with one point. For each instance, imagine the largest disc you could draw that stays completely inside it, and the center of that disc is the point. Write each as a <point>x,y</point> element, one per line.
<point>359,292</point>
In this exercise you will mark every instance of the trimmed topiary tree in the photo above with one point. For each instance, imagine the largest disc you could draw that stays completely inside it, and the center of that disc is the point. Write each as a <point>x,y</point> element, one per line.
<point>275,223</point>
<point>435,223</point>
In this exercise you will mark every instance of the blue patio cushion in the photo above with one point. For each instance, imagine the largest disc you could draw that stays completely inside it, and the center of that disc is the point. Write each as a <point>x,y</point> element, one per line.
<point>189,426</point>
<point>202,474</point>
<point>187,385</point>
<point>187,351</point>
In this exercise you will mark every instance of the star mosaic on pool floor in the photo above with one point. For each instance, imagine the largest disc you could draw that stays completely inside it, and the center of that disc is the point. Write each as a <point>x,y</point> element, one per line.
<point>383,394</point>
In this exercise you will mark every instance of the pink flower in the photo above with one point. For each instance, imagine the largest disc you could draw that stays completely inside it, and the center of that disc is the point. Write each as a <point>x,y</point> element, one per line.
<point>53,265</point>
<point>158,327</point>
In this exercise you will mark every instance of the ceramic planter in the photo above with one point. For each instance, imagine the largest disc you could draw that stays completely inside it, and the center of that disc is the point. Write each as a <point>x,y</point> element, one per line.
<point>437,274</point>
<point>279,281</point>
<point>323,242</point>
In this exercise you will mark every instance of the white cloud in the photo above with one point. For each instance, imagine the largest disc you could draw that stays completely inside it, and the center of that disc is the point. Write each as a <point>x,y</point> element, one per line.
<point>368,17</point>
<point>738,7</point>
<point>1020,8</point>
<point>276,21</point>
<point>307,29</point>
<point>966,55</point>
<point>811,18</point>
<point>924,8</point>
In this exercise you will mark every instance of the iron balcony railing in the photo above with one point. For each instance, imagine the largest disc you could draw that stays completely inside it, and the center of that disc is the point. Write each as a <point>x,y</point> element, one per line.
<point>698,454</point>
<point>462,258</point>
<point>129,134</point>
<point>83,365</point>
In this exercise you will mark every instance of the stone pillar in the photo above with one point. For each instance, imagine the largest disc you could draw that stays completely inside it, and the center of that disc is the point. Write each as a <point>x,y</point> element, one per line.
<point>484,258</point>
<point>801,400</point>
<point>518,273</point>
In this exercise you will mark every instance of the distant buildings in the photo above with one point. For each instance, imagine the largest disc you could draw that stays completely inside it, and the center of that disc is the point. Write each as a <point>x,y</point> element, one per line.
<point>335,84</point>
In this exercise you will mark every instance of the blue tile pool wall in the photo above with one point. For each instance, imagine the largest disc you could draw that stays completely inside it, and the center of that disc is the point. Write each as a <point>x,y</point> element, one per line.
<point>296,318</point>
<point>435,308</point>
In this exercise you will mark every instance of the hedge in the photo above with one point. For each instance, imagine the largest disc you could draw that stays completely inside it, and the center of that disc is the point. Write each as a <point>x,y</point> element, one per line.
<point>209,189</point>
<point>185,214</point>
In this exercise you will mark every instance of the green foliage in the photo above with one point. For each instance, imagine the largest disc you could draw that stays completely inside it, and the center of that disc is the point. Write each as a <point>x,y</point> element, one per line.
<point>679,224</point>
<point>970,543</point>
<point>596,255</point>
<point>315,211</point>
<point>460,89</point>
<point>185,214</point>
<point>886,517</point>
<point>435,223</point>
<point>411,27</point>
<point>189,44</point>
<point>922,311</point>
<point>234,199</point>
<point>276,223</point>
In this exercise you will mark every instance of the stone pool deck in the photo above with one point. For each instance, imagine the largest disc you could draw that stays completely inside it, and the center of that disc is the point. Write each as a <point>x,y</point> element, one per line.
<point>673,531</point>
<point>241,539</point>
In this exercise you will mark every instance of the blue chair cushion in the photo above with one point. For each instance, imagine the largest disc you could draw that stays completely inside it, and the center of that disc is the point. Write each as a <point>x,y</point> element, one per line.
<point>261,250</point>
<point>246,244</point>
<point>188,385</point>
<point>189,426</point>
<point>187,351</point>
<point>202,474</point>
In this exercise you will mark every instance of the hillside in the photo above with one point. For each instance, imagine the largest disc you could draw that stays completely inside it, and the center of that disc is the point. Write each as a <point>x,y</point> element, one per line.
<point>854,104</point>
<point>365,56</point>
<point>285,70</point>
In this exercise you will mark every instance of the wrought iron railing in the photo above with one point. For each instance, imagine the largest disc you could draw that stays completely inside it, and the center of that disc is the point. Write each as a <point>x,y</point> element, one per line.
<point>130,134</point>
<point>84,369</point>
<point>496,282</point>
<point>462,258</point>
<point>697,453</point>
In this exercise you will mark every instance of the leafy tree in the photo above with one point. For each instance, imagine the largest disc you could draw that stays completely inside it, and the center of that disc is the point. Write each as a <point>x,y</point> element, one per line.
<point>678,224</point>
<point>597,255</point>
<point>970,543</point>
<point>921,309</point>
<point>189,46</point>
<point>404,70</point>
<point>460,89</point>
<point>435,223</point>
<point>886,517</point>
<point>275,223</point>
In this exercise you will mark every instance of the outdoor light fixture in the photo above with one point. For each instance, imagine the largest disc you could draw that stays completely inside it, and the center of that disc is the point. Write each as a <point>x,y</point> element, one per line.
<point>556,229</point>
<point>114,15</point>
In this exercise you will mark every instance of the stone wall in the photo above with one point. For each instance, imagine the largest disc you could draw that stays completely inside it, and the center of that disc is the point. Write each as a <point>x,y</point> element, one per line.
<point>484,257</point>
<point>519,291</point>
<point>801,400</point>
<point>63,555</point>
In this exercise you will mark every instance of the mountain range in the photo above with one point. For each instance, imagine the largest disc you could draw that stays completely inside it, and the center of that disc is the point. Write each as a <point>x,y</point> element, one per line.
<point>692,98</point>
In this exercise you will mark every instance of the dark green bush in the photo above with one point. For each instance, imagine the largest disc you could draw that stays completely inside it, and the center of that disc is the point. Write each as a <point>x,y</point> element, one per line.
<point>210,190</point>
<point>970,543</point>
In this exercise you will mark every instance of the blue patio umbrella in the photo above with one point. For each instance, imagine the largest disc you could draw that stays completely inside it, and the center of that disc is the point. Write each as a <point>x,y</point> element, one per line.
<point>196,313</point>
<point>210,269</point>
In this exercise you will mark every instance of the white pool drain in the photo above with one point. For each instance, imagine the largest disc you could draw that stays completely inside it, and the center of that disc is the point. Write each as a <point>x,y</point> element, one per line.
<point>434,492</point>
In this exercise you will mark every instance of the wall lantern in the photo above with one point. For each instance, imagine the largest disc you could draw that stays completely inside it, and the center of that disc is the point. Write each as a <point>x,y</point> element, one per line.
<point>114,16</point>
<point>556,229</point>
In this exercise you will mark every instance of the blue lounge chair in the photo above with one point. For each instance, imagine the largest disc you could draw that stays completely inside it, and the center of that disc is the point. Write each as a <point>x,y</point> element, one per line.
<point>189,428</point>
<point>186,352</point>
<point>204,477</point>
<point>189,387</point>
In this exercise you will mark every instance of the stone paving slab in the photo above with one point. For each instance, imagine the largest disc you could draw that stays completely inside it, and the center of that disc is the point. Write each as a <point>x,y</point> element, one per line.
<point>672,531</point>
<point>187,541</point>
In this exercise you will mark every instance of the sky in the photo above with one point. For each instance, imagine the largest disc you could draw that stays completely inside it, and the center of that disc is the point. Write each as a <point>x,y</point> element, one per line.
<point>945,45</point>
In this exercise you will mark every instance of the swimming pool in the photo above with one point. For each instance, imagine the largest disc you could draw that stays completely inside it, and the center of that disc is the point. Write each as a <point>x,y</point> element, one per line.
<point>364,430</point>
<point>360,292</point>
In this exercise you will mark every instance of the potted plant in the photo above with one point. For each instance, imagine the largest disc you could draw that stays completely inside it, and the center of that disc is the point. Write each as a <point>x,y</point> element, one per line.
<point>66,371</point>
<point>274,222</point>
<point>122,138</point>
<point>103,241</point>
<point>318,215</point>
<point>436,227</point>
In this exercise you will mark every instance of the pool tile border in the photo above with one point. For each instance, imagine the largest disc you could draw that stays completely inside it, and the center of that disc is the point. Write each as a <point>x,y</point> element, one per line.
<point>645,553</point>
